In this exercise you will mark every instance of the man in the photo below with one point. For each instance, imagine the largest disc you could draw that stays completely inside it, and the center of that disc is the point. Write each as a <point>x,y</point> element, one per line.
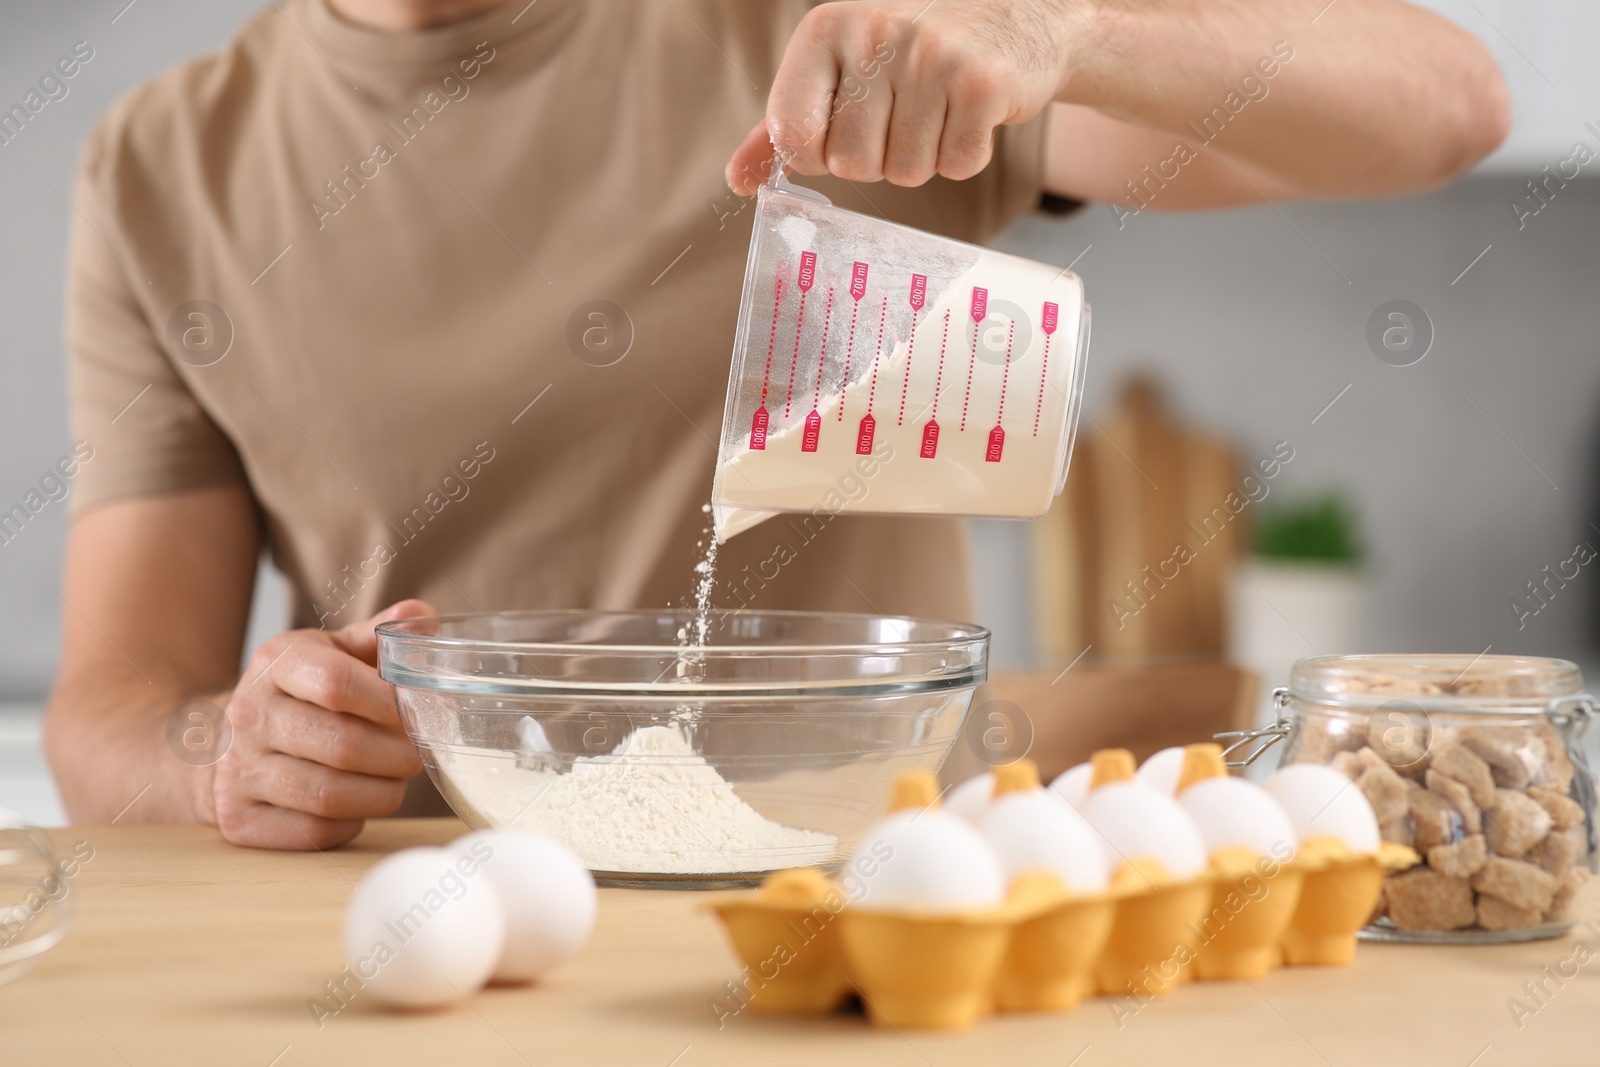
<point>335,294</point>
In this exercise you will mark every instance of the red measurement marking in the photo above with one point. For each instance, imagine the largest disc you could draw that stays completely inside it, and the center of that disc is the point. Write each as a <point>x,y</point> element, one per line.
<point>858,280</point>
<point>930,432</point>
<point>808,270</point>
<point>759,424</point>
<point>868,423</point>
<point>849,346</point>
<point>1005,373</point>
<point>1051,313</point>
<point>877,355</point>
<point>808,443</point>
<point>864,435</point>
<point>997,441</point>
<point>980,308</point>
<point>772,337</point>
<point>822,349</point>
<point>808,274</point>
<point>919,292</point>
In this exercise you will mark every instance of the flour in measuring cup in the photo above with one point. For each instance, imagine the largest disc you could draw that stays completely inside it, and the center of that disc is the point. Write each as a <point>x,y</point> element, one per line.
<point>653,806</point>
<point>944,377</point>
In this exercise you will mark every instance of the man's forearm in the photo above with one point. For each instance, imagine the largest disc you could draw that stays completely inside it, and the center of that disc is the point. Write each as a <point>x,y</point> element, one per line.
<point>1357,97</point>
<point>126,749</point>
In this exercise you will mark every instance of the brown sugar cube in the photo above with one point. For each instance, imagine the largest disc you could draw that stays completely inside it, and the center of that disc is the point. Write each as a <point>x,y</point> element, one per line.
<point>1348,764</point>
<point>1399,739</point>
<point>1459,859</point>
<point>1513,753</point>
<point>1468,768</point>
<point>1560,852</point>
<point>1515,823</point>
<point>1515,882</point>
<point>1556,773</point>
<point>1318,740</point>
<point>1388,793</point>
<point>1565,813</point>
<point>1433,819</point>
<point>1459,798</point>
<point>1497,914</point>
<point>1568,896</point>
<point>1398,832</point>
<point>1424,899</point>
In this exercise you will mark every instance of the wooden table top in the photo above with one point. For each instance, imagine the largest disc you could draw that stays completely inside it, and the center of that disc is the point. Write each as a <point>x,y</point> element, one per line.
<point>189,951</point>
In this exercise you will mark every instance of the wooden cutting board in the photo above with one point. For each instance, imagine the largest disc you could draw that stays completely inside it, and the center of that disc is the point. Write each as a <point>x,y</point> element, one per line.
<point>189,951</point>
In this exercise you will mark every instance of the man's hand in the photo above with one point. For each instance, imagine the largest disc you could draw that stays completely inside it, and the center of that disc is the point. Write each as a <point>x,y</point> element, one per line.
<point>1268,99</point>
<point>317,744</point>
<point>905,89</point>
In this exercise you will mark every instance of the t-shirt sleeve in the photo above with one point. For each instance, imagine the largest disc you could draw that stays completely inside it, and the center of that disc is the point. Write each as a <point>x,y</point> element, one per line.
<point>128,401</point>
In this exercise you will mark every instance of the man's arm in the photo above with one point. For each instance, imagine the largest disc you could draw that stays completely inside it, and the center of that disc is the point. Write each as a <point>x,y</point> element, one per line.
<point>158,591</point>
<point>1375,97</point>
<point>157,598</point>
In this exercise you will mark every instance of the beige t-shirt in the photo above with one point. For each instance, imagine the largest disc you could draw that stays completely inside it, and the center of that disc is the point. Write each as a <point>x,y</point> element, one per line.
<point>354,271</point>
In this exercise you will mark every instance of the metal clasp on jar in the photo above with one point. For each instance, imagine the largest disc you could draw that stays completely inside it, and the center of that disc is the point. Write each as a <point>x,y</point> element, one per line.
<point>1267,736</point>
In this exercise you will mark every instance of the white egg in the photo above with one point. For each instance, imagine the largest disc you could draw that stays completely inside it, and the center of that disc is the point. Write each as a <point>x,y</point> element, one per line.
<point>1162,770</point>
<point>926,858</point>
<point>1035,830</point>
<point>421,931</point>
<point>971,798</point>
<point>1231,812</point>
<point>1321,802</point>
<point>1072,785</point>
<point>548,896</point>
<point>1137,822</point>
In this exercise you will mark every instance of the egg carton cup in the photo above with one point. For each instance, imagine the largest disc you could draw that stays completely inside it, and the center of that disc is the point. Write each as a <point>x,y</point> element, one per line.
<point>1247,942</point>
<point>1340,892</point>
<point>917,969</point>
<point>1150,950</point>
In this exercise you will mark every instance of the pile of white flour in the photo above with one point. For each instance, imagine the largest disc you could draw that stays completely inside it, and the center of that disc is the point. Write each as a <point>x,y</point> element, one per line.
<point>653,805</point>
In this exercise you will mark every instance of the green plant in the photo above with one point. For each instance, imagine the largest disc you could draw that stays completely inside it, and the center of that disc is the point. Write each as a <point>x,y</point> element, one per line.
<point>1317,529</point>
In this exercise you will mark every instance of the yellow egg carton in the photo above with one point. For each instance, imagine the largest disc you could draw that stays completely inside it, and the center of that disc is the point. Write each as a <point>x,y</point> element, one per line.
<point>807,948</point>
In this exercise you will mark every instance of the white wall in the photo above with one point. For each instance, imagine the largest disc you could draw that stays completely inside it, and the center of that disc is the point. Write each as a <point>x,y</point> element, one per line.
<point>1257,331</point>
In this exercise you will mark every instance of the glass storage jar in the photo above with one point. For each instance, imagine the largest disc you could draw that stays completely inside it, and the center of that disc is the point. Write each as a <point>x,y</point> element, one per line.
<point>1475,762</point>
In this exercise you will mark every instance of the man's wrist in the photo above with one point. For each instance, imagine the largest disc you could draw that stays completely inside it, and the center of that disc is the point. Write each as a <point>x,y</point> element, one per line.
<point>202,780</point>
<point>1092,61</point>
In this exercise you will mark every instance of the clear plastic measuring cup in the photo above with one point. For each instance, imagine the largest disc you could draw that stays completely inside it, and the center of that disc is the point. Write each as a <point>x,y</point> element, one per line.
<point>881,370</point>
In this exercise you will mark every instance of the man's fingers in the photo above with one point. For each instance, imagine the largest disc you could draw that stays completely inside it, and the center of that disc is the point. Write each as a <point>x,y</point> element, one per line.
<point>303,785</point>
<point>329,678</point>
<point>858,129</point>
<point>258,825</point>
<point>968,138</point>
<point>752,162</point>
<point>360,640</point>
<point>800,105</point>
<point>343,742</point>
<point>912,156</point>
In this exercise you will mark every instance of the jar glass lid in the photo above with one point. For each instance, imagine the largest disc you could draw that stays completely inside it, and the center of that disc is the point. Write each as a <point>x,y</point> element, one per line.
<point>1454,680</point>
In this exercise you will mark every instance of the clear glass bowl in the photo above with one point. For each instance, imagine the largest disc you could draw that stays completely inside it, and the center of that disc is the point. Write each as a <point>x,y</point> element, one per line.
<point>774,745</point>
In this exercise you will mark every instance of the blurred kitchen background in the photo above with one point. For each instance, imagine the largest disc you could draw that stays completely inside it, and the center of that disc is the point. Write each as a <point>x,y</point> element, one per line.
<point>1420,502</point>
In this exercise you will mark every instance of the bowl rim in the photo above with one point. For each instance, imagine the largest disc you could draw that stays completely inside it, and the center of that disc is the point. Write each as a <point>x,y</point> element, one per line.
<point>399,634</point>
<point>396,630</point>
